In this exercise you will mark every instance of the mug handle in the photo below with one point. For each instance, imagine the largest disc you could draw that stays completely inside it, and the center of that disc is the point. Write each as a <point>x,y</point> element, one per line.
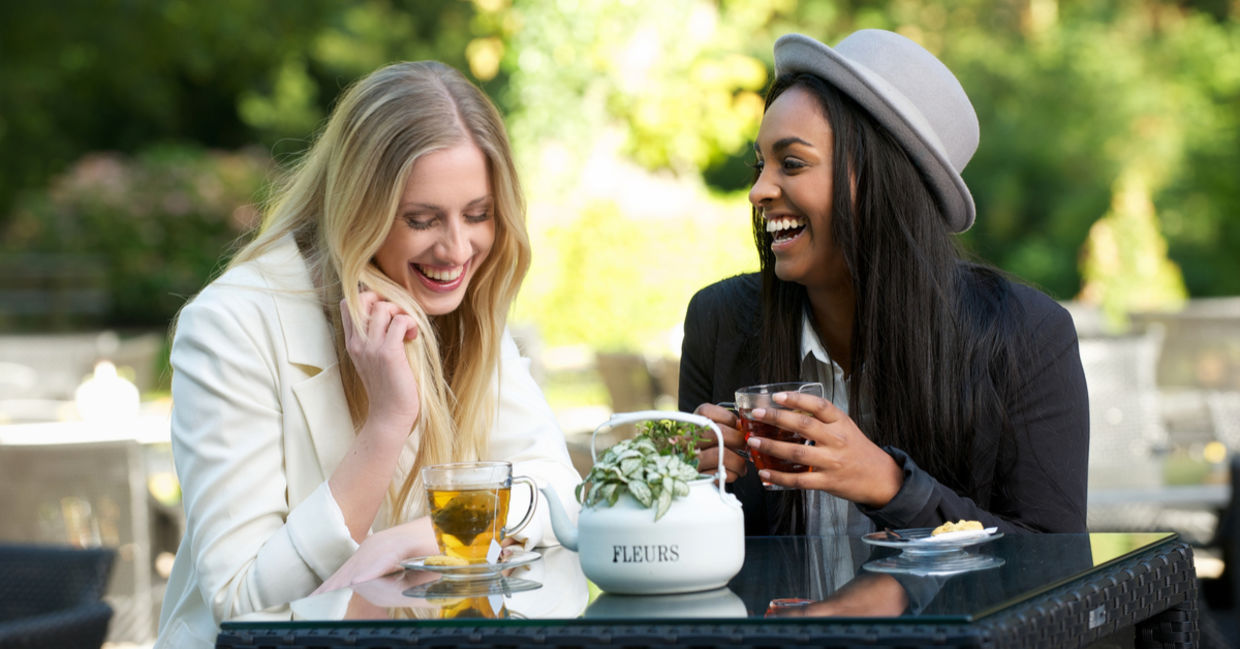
<point>731,407</point>
<point>529,513</point>
<point>813,387</point>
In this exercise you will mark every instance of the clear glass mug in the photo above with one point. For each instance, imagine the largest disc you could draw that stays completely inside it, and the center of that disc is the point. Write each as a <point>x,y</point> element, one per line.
<point>469,507</point>
<point>752,397</point>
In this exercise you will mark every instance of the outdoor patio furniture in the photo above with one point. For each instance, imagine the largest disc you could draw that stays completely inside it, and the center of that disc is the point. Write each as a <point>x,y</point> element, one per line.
<point>51,596</point>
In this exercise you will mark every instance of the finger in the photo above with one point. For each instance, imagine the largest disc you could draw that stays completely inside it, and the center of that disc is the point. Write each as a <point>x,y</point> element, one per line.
<point>732,439</point>
<point>717,414</point>
<point>792,421</point>
<point>734,466</point>
<point>366,299</point>
<point>808,481</point>
<point>708,460</point>
<point>380,320</point>
<point>400,329</point>
<point>793,452</point>
<point>817,407</point>
<point>727,422</point>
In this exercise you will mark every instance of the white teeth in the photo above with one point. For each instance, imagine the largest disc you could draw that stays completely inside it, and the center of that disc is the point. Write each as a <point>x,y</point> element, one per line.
<point>441,275</point>
<point>784,224</point>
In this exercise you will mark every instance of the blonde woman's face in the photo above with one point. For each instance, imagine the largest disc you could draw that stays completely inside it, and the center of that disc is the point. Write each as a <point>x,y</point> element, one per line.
<point>444,228</point>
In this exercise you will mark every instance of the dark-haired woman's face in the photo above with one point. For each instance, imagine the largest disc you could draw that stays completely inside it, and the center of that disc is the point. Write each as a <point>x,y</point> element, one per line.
<point>793,191</point>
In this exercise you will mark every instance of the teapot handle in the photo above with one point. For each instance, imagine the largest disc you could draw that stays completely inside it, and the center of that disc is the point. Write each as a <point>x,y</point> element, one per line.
<point>644,415</point>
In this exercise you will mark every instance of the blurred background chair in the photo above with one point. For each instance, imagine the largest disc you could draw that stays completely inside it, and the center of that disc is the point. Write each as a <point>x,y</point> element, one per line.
<point>67,484</point>
<point>1125,426</point>
<point>1224,409</point>
<point>1129,444</point>
<point>51,596</point>
<point>1220,596</point>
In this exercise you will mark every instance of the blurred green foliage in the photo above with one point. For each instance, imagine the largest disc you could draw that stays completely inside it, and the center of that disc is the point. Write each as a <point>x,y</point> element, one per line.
<point>158,222</point>
<point>632,122</point>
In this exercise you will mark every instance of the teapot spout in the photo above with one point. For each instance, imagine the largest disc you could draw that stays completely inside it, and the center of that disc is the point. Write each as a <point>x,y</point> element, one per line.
<point>564,529</point>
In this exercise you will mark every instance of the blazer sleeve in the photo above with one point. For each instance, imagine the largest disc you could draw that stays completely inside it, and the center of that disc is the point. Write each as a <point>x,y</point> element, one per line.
<point>1041,467</point>
<point>527,434</point>
<point>249,551</point>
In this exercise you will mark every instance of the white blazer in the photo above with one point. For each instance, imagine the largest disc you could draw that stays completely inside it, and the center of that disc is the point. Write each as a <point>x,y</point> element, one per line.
<point>260,422</point>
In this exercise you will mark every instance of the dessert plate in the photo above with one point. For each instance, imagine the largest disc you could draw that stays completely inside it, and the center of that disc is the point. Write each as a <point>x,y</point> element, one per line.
<point>918,541</point>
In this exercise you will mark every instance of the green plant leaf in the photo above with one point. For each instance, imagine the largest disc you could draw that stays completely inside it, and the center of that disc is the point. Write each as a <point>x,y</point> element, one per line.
<point>681,489</point>
<point>664,503</point>
<point>631,467</point>
<point>613,494</point>
<point>654,467</point>
<point>641,492</point>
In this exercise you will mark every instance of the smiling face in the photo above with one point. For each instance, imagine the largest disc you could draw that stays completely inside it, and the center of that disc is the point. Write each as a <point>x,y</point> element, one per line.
<point>444,228</point>
<point>794,191</point>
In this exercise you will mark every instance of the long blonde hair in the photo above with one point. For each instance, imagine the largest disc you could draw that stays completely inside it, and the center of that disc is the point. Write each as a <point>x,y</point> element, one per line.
<point>339,203</point>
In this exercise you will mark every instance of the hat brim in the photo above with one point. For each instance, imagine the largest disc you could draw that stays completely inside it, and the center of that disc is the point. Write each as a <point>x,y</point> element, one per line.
<point>800,53</point>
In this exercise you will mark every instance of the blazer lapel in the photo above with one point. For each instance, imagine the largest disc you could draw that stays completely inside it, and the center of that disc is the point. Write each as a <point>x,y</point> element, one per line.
<point>327,417</point>
<point>308,340</point>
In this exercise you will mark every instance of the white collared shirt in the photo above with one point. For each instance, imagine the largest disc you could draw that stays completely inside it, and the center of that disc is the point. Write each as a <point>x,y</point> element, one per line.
<point>825,514</point>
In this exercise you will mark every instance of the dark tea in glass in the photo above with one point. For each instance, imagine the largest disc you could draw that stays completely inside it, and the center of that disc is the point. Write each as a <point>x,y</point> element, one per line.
<point>759,396</point>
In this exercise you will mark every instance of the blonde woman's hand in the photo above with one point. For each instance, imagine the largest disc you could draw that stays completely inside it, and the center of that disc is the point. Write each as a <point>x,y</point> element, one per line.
<point>844,461</point>
<point>734,453</point>
<point>379,357</point>
<point>381,553</point>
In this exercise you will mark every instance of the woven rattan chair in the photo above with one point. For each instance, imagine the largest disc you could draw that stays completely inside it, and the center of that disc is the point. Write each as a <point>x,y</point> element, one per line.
<point>51,596</point>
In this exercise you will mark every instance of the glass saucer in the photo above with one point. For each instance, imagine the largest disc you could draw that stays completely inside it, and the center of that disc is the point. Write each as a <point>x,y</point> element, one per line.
<point>507,561</point>
<point>933,566</point>
<point>453,588</point>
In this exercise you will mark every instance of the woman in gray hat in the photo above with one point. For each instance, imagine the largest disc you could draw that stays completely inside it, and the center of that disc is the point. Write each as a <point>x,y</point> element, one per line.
<point>953,392</point>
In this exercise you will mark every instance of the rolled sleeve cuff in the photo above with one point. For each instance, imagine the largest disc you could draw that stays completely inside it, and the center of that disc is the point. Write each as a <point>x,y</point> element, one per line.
<point>319,534</point>
<point>910,501</point>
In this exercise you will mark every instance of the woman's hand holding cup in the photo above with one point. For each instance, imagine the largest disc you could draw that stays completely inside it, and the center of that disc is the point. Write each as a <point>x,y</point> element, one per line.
<point>843,460</point>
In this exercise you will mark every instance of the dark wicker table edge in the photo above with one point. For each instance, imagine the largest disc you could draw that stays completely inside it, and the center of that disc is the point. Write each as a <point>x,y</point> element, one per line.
<point>1155,593</point>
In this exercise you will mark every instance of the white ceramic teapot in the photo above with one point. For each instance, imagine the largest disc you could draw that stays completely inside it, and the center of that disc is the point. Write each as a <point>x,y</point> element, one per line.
<point>698,544</point>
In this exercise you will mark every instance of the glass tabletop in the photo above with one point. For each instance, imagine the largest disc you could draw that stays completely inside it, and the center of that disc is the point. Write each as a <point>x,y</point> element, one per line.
<point>782,578</point>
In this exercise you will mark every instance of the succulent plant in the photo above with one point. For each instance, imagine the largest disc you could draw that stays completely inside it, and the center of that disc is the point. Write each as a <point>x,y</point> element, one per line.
<point>654,467</point>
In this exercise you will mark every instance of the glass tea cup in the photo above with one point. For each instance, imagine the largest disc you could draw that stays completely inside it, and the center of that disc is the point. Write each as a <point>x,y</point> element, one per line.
<point>469,507</point>
<point>752,397</point>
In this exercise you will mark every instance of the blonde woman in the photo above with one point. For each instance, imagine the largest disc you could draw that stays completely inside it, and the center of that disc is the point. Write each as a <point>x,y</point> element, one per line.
<point>358,338</point>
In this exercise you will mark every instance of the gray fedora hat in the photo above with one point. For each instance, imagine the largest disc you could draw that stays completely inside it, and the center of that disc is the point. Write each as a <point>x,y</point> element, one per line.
<point>911,93</point>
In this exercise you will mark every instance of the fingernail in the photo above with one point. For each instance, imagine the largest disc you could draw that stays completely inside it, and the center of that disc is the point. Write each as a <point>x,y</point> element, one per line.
<point>779,397</point>
<point>758,413</point>
<point>753,441</point>
<point>764,475</point>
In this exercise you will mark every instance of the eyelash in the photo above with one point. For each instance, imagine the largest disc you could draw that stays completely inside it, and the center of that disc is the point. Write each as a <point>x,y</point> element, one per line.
<point>788,164</point>
<point>428,224</point>
<point>418,225</point>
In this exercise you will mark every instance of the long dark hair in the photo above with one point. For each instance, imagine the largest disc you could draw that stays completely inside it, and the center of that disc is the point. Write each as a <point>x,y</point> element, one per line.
<point>932,339</point>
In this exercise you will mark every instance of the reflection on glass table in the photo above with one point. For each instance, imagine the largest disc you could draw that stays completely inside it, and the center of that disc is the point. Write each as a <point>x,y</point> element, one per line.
<point>1042,590</point>
<point>524,591</point>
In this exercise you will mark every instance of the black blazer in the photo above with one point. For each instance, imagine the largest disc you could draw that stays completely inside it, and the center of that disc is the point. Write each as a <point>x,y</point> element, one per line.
<point>1032,480</point>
